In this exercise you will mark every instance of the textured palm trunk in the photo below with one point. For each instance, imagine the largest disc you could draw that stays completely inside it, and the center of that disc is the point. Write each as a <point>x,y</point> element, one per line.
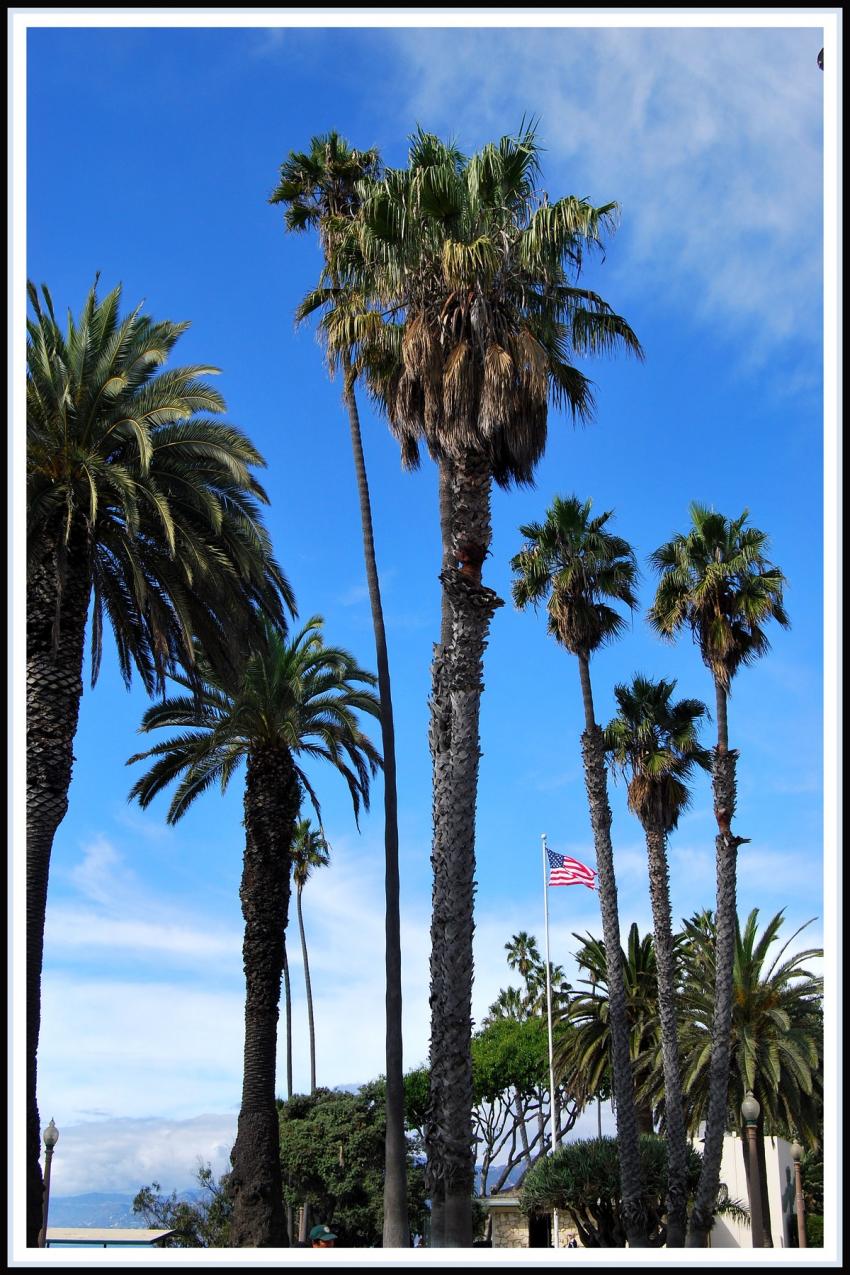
<point>628,1146</point>
<point>455,704</point>
<point>726,854</point>
<point>677,1148</point>
<point>396,1228</point>
<point>272,802</point>
<point>311,1027</point>
<point>56,625</point>
<point>440,737</point>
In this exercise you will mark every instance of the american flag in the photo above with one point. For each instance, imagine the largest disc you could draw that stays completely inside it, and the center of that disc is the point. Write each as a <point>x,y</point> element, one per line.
<point>566,871</point>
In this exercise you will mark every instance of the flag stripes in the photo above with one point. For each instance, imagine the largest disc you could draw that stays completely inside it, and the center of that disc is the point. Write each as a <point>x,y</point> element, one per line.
<point>564,870</point>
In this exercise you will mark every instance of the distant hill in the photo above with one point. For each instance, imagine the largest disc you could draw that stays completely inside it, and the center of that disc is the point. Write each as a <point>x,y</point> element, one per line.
<point>96,1208</point>
<point>100,1208</point>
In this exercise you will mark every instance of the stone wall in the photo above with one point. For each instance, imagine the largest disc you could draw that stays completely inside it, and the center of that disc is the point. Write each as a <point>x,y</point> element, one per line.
<point>510,1229</point>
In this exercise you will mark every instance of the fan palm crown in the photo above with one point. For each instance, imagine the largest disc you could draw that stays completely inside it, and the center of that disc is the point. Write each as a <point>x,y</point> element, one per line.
<point>654,742</point>
<point>579,567</point>
<point>473,274</point>
<point>310,850</point>
<point>717,580</point>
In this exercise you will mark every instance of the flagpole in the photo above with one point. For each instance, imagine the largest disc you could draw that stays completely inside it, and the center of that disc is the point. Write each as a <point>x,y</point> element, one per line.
<point>549,1020</point>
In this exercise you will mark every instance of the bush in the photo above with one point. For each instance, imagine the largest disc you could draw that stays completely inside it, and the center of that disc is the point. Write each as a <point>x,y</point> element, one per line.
<point>814,1230</point>
<point>582,1180</point>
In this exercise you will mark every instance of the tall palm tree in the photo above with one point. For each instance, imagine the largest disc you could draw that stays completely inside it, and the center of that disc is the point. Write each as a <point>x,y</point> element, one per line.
<point>583,1058</point>
<point>716,580</point>
<point>309,851</point>
<point>295,700</point>
<point>469,276</point>
<point>318,190</point>
<point>653,741</point>
<point>578,567</point>
<point>142,513</point>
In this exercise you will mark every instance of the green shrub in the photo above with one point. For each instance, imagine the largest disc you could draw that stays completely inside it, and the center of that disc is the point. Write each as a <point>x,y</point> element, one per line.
<point>814,1230</point>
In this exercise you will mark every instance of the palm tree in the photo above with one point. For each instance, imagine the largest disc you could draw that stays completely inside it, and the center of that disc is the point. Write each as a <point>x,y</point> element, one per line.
<point>717,581</point>
<point>653,741</point>
<point>319,191</point>
<point>776,1039</point>
<point>295,700</point>
<point>579,567</point>
<point>583,1059</point>
<point>143,513</point>
<point>523,954</point>
<point>468,273</point>
<point>309,851</point>
<point>510,1003</point>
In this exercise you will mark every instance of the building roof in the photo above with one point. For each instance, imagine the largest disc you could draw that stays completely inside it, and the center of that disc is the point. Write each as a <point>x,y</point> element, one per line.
<point>105,1235</point>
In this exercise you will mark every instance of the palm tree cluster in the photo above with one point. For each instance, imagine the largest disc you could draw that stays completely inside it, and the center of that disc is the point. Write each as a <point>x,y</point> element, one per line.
<point>717,581</point>
<point>450,289</point>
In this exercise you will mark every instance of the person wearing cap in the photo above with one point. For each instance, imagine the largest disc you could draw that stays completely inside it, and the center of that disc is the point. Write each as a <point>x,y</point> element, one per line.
<point>322,1237</point>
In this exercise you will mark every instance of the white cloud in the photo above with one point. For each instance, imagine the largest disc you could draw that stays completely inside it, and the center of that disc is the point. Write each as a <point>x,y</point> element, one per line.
<point>124,1155</point>
<point>710,140</point>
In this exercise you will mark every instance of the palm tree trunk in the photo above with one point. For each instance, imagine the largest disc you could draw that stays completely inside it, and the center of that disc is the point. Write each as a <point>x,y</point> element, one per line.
<point>726,854</point>
<point>272,802</point>
<point>677,1147</point>
<point>310,1024</point>
<point>287,998</point>
<point>595,778</point>
<point>56,623</point>
<point>290,1211</point>
<point>440,738</point>
<point>396,1229</point>
<point>455,704</point>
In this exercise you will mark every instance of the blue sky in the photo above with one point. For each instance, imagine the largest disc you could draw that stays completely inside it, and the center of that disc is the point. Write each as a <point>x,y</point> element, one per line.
<point>711,141</point>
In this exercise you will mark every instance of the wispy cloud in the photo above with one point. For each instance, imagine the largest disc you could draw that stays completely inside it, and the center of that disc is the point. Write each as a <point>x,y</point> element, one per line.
<point>709,139</point>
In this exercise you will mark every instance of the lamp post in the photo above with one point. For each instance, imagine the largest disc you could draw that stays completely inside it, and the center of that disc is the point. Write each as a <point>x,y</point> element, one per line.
<point>51,1137</point>
<point>797,1157</point>
<point>750,1113</point>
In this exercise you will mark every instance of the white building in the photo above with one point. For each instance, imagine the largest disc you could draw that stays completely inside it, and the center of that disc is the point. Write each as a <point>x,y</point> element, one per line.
<point>728,1233</point>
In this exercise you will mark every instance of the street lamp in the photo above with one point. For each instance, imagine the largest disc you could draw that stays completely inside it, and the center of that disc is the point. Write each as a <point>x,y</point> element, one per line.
<point>797,1157</point>
<point>51,1137</point>
<point>750,1114</point>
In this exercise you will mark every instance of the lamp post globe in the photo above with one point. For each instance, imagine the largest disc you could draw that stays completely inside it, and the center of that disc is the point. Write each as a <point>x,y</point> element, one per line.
<point>51,1137</point>
<point>750,1110</point>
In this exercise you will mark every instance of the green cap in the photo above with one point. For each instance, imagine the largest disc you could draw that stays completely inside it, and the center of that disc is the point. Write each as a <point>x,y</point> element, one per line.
<point>322,1233</point>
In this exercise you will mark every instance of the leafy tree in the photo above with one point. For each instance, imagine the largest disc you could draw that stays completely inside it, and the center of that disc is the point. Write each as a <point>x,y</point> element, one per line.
<point>468,276</point>
<point>513,1101</point>
<point>579,568</point>
<point>582,1180</point>
<point>717,581</point>
<point>653,741</point>
<point>142,513</point>
<point>294,700</point>
<point>332,1156</point>
<point>203,1222</point>
<point>319,190</point>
